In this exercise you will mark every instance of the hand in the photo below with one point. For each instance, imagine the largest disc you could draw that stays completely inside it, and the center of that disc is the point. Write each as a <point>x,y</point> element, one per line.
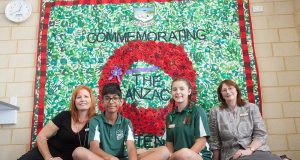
<point>56,158</point>
<point>241,153</point>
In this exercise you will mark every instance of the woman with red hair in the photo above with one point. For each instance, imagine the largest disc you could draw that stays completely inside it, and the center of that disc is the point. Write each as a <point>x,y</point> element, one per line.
<point>66,131</point>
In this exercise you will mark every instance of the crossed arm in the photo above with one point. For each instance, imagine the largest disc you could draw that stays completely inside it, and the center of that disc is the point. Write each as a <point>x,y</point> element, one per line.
<point>95,148</point>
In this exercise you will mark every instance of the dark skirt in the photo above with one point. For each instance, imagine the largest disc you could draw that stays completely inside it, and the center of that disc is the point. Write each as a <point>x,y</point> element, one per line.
<point>261,155</point>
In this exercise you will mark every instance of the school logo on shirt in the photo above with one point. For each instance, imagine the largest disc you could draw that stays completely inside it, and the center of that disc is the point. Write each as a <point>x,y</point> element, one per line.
<point>172,126</point>
<point>119,134</point>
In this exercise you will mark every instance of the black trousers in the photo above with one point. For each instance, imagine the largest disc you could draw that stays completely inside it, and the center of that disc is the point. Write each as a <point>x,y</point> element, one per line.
<point>261,155</point>
<point>33,154</point>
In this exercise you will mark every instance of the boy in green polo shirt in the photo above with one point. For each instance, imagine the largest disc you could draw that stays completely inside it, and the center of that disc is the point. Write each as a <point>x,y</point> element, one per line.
<point>109,132</point>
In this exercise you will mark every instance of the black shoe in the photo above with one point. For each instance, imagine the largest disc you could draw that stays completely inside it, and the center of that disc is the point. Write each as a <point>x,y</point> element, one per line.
<point>284,157</point>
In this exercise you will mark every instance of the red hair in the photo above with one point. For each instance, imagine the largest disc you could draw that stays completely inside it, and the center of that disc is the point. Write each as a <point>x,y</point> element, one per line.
<point>73,109</point>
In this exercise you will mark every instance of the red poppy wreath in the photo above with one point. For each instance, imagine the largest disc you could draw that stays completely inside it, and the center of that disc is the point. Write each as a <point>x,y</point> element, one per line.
<point>171,58</point>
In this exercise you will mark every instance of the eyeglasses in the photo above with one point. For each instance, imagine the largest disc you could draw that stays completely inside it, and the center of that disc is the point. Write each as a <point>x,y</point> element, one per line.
<point>107,99</point>
<point>227,89</point>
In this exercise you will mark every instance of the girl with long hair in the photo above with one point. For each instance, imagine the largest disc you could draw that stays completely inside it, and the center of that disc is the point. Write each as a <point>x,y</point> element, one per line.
<point>186,127</point>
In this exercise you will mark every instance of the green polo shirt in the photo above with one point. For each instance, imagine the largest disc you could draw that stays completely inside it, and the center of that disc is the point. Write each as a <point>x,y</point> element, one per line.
<point>112,138</point>
<point>184,135</point>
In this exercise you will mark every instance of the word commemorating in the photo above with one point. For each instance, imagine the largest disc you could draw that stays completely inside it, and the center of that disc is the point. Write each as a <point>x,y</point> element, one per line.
<point>177,35</point>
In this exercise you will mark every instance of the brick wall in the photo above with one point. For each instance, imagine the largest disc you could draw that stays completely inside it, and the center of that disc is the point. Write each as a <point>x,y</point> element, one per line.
<point>18,44</point>
<point>276,36</point>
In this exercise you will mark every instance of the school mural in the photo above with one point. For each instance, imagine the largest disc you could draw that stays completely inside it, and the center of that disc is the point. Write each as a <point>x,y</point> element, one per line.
<point>142,45</point>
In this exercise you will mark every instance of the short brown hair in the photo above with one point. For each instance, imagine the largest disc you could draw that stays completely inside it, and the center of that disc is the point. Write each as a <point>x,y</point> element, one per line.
<point>240,101</point>
<point>73,108</point>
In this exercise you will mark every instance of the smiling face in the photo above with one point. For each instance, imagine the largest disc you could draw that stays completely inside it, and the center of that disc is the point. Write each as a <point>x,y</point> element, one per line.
<point>181,92</point>
<point>83,100</point>
<point>229,93</point>
<point>111,103</point>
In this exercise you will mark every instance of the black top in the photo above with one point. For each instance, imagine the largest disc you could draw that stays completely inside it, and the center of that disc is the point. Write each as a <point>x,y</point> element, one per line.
<point>64,142</point>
